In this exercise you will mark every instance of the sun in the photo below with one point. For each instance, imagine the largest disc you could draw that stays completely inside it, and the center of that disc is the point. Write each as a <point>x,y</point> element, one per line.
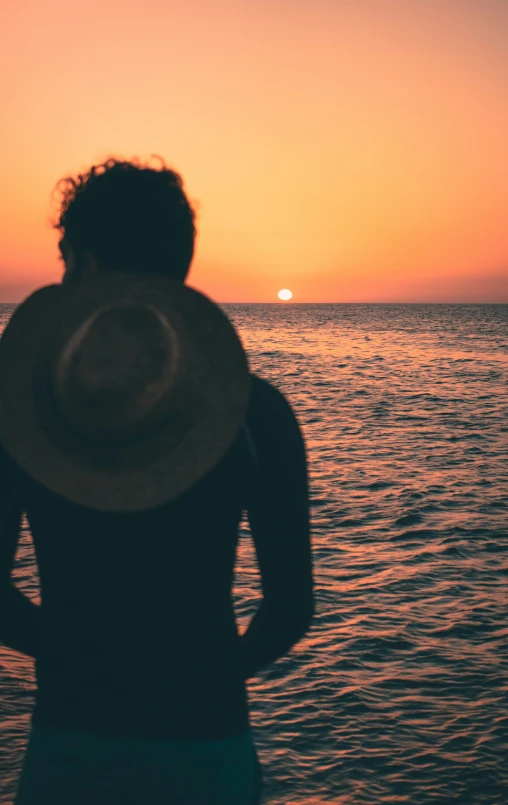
<point>285,295</point>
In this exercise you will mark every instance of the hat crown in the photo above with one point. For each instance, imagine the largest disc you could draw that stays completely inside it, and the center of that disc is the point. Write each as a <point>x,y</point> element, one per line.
<point>116,368</point>
<point>120,393</point>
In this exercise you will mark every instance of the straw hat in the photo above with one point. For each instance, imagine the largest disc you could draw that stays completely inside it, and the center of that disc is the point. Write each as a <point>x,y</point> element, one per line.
<point>121,393</point>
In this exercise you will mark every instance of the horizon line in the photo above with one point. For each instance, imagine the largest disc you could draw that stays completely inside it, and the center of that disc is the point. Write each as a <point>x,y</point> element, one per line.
<point>294,304</point>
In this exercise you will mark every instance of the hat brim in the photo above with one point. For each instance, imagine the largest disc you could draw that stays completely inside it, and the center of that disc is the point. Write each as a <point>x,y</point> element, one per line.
<point>148,472</point>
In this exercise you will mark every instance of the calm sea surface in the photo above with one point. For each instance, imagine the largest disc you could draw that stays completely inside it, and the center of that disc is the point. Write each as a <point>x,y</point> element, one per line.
<point>399,693</point>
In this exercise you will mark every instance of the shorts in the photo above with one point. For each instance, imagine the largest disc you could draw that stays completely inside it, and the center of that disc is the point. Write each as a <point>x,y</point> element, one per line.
<point>77,768</point>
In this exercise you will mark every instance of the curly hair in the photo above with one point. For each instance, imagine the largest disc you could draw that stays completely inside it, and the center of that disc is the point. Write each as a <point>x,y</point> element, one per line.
<point>130,216</point>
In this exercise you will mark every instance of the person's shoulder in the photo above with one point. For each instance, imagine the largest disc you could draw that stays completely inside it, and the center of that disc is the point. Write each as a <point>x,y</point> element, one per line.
<point>267,396</point>
<point>40,302</point>
<point>269,407</point>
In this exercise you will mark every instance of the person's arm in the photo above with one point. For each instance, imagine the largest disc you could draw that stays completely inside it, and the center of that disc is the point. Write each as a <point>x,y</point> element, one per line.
<point>19,617</point>
<point>278,514</point>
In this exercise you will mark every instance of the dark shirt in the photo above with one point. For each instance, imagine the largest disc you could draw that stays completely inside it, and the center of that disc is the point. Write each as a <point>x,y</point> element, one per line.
<point>136,634</point>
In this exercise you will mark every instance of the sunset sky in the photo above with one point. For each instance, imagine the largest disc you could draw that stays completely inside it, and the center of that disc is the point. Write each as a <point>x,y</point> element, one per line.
<point>349,150</point>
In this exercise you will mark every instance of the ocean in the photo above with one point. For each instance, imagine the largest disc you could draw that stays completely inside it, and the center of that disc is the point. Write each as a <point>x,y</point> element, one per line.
<point>399,692</point>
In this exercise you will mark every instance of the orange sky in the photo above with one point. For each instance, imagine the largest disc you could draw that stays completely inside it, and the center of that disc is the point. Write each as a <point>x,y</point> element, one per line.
<point>350,150</point>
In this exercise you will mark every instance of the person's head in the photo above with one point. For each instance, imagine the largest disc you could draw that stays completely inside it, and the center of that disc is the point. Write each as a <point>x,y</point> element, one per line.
<point>125,216</point>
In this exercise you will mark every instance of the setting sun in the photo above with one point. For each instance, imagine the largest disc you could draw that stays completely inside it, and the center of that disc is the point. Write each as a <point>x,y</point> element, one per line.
<point>285,295</point>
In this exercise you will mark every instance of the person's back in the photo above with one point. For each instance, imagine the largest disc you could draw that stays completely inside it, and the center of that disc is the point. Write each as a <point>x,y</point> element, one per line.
<point>136,638</point>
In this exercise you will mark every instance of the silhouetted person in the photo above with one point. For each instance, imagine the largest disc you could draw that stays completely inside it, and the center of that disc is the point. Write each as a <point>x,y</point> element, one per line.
<point>134,475</point>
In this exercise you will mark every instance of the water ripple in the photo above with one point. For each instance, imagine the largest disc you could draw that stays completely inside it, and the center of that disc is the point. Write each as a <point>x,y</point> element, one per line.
<point>399,692</point>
